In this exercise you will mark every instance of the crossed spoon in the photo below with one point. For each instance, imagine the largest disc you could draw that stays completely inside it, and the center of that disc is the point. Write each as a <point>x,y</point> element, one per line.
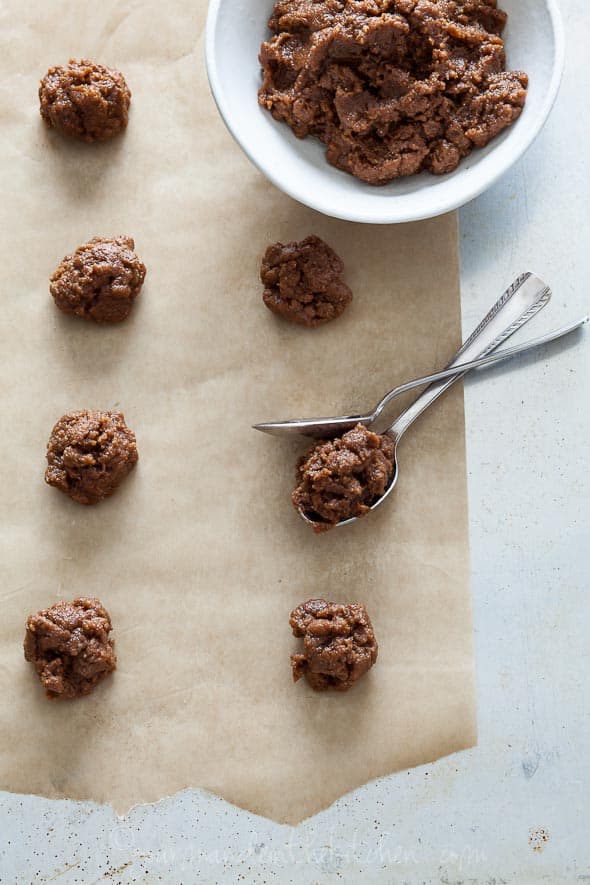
<point>527,295</point>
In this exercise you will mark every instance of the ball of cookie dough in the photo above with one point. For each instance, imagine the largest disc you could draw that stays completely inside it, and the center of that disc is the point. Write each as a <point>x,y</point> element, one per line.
<point>85,100</point>
<point>70,647</point>
<point>89,454</point>
<point>302,282</point>
<point>100,281</point>
<point>339,644</point>
<point>342,478</point>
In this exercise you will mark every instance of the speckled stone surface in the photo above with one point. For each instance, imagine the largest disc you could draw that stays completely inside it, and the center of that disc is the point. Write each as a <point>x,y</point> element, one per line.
<point>514,809</point>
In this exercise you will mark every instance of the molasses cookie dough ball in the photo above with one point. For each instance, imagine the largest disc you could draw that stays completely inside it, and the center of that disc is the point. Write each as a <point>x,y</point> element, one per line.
<point>85,100</point>
<point>342,478</point>
<point>339,644</point>
<point>100,281</point>
<point>89,454</point>
<point>303,282</point>
<point>70,647</point>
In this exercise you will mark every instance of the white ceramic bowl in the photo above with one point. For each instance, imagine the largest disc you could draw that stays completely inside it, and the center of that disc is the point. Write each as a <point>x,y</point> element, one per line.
<point>235,30</point>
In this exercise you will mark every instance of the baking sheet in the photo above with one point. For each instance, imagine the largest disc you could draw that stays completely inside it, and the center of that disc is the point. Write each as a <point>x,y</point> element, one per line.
<point>200,558</point>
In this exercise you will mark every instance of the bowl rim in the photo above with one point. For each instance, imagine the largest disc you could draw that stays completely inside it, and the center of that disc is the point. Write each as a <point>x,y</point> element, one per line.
<point>408,214</point>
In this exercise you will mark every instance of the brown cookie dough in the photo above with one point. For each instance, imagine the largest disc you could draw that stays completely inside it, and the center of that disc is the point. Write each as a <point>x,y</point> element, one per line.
<point>392,87</point>
<point>339,644</point>
<point>302,282</point>
<point>100,281</point>
<point>85,100</point>
<point>89,455</point>
<point>70,647</point>
<point>342,478</point>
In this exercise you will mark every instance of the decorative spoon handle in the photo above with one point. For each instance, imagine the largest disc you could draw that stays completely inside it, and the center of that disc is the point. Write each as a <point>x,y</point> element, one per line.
<point>527,295</point>
<point>497,357</point>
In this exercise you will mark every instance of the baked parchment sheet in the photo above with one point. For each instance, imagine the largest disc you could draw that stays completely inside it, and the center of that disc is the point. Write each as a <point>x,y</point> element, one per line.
<point>199,557</point>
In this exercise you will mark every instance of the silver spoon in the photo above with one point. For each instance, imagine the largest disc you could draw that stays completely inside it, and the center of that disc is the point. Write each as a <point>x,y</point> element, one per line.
<point>330,428</point>
<point>527,295</point>
<point>401,424</point>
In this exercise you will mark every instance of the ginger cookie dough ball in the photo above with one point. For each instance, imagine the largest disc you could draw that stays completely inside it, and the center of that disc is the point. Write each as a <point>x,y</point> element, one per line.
<point>339,644</point>
<point>85,100</point>
<point>342,478</point>
<point>70,647</point>
<point>89,454</point>
<point>100,281</point>
<point>303,282</point>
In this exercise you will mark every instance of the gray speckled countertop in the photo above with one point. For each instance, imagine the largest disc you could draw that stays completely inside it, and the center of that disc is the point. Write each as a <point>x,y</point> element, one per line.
<point>514,808</point>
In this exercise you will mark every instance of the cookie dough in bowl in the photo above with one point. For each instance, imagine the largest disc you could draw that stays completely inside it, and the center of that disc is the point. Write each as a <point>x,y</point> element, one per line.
<point>391,87</point>
<point>533,44</point>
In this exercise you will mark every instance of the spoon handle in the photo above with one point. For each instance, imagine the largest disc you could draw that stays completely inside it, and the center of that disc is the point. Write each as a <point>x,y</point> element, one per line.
<point>496,357</point>
<point>527,295</point>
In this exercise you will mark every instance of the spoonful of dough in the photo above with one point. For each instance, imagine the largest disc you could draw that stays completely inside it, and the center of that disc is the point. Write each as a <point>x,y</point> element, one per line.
<point>344,478</point>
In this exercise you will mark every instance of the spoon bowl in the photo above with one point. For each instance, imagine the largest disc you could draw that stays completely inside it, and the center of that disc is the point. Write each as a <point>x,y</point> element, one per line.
<point>308,518</point>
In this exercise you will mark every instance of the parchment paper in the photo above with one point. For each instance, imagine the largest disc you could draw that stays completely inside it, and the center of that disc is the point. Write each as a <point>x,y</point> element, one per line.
<point>200,557</point>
